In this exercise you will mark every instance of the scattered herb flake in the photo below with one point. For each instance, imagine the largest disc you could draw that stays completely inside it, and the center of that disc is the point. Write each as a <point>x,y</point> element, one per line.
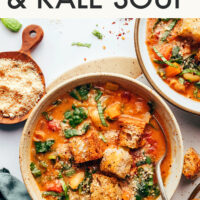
<point>79,44</point>
<point>97,34</point>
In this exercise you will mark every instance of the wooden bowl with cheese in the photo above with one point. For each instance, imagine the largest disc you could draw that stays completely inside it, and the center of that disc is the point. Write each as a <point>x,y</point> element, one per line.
<point>22,82</point>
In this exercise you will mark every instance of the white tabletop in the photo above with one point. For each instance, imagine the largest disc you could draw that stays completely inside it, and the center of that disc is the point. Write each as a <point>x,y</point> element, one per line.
<point>55,55</point>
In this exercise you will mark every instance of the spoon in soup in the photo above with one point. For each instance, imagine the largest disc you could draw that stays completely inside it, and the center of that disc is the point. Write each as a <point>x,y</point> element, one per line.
<point>159,162</point>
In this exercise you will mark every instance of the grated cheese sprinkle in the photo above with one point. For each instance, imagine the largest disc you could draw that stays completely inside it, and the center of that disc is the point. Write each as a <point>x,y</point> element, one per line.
<point>21,87</point>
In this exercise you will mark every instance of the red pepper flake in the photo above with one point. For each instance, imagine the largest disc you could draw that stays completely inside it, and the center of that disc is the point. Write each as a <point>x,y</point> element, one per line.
<point>119,34</point>
<point>126,24</point>
<point>85,59</point>
<point>114,23</point>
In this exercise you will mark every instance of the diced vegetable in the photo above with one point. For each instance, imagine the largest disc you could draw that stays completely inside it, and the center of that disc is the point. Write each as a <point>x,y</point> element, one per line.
<point>113,110</point>
<point>76,179</point>
<point>99,94</point>
<point>112,86</point>
<point>97,34</point>
<point>34,170</point>
<point>54,125</point>
<point>43,147</point>
<point>54,186</point>
<point>47,116</point>
<point>191,77</point>
<point>173,71</point>
<point>101,114</point>
<point>169,29</point>
<point>80,44</point>
<point>163,58</point>
<point>52,157</point>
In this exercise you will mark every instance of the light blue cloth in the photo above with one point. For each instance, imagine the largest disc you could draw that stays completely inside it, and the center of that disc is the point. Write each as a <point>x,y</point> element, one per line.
<point>11,188</point>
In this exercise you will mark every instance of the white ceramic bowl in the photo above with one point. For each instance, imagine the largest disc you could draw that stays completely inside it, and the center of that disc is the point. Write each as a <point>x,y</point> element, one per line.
<point>126,82</point>
<point>152,76</point>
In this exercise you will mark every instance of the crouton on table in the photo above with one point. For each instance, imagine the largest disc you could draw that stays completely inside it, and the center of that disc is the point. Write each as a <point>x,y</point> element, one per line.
<point>116,160</point>
<point>191,166</point>
<point>105,188</point>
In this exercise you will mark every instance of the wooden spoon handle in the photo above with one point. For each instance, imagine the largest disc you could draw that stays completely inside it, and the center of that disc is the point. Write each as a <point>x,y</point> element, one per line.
<point>31,36</point>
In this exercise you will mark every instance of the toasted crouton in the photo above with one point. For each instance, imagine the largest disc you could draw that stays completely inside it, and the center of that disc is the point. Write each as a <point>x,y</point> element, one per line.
<point>116,161</point>
<point>105,188</point>
<point>87,147</point>
<point>111,137</point>
<point>191,167</point>
<point>63,151</point>
<point>131,131</point>
<point>190,28</point>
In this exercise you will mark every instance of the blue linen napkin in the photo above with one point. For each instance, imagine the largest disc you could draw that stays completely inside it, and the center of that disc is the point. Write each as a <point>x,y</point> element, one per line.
<point>11,188</point>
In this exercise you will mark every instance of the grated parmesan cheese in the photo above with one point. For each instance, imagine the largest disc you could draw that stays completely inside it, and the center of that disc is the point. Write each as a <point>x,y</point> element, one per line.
<point>21,87</point>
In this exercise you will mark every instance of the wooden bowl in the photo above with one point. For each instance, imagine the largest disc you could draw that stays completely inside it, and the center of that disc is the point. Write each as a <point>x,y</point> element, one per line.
<point>151,74</point>
<point>135,86</point>
<point>24,55</point>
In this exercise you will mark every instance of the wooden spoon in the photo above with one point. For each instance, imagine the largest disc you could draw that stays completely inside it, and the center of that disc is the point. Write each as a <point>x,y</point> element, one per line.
<point>32,35</point>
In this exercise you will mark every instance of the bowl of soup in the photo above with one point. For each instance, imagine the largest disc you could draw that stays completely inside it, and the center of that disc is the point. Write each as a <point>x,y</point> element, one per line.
<point>93,137</point>
<point>168,53</point>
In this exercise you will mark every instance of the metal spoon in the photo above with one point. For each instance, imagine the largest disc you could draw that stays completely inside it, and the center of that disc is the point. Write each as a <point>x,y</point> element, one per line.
<point>158,164</point>
<point>195,192</point>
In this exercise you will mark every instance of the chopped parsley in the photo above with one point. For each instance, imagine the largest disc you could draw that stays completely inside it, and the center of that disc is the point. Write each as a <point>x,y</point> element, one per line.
<point>76,116</point>
<point>43,147</point>
<point>34,170</point>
